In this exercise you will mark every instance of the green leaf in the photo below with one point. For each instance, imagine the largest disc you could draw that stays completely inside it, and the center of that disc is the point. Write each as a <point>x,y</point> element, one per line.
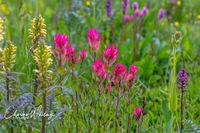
<point>147,67</point>
<point>154,78</point>
<point>172,93</point>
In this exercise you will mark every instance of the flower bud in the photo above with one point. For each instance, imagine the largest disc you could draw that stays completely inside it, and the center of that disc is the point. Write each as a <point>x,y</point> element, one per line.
<point>177,35</point>
<point>82,54</point>
<point>137,113</point>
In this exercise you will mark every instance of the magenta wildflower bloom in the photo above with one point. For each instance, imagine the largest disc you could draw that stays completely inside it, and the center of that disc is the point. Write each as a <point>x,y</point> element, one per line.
<point>125,6</point>
<point>109,55</point>
<point>137,113</point>
<point>161,14</point>
<point>131,75</point>
<point>131,17</point>
<point>138,13</point>
<point>94,40</point>
<point>135,6</point>
<point>60,47</point>
<point>71,56</point>
<point>144,11</point>
<point>120,75</point>
<point>82,54</point>
<point>99,71</point>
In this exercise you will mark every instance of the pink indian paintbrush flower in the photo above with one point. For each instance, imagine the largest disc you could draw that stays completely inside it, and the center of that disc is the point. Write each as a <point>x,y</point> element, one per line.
<point>131,75</point>
<point>60,48</point>
<point>94,40</point>
<point>99,71</point>
<point>82,54</point>
<point>137,113</point>
<point>109,56</point>
<point>120,75</point>
<point>71,57</point>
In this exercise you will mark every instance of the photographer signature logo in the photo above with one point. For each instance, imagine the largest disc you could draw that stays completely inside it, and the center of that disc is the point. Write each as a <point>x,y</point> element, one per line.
<point>11,113</point>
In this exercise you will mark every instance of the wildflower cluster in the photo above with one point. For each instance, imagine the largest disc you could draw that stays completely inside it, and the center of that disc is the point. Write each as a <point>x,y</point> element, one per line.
<point>60,48</point>
<point>101,70</point>
<point>63,52</point>
<point>136,12</point>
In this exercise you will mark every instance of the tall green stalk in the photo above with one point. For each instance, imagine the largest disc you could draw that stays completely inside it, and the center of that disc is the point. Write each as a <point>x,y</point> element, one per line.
<point>172,91</point>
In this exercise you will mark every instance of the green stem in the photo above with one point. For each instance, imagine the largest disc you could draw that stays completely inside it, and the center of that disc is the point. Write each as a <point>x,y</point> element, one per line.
<point>8,97</point>
<point>116,114</point>
<point>44,111</point>
<point>94,9</point>
<point>138,125</point>
<point>172,122</point>
<point>77,111</point>
<point>174,65</point>
<point>182,111</point>
<point>129,100</point>
<point>174,81</point>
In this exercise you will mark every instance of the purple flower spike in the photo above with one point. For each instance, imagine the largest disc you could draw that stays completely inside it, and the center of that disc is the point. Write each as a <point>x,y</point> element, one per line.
<point>182,79</point>
<point>109,12</point>
<point>144,11</point>
<point>135,6</point>
<point>125,6</point>
<point>161,14</point>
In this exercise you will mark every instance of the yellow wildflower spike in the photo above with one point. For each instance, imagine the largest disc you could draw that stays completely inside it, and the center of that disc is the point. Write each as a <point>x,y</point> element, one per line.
<point>42,55</point>
<point>37,32</point>
<point>9,56</point>
<point>1,29</point>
